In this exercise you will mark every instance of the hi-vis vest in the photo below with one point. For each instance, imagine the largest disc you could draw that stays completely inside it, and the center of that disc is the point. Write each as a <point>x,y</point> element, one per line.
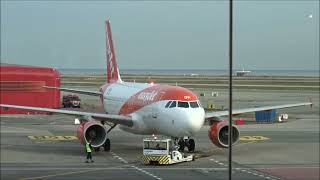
<point>88,149</point>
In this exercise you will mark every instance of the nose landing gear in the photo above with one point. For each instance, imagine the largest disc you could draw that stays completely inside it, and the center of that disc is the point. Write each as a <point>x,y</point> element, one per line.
<point>188,142</point>
<point>191,145</point>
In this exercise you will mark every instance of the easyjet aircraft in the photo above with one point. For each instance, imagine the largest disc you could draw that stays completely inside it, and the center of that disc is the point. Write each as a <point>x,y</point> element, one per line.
<point>146,109</point>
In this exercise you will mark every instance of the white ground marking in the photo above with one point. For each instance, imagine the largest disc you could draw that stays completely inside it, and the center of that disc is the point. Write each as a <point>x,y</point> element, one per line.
<point>40,142</point>
<point>255,173</point>
<point>119,158</point>
<point>107,168</point>
<point>134,167</point>
<point>147,173</point>
<point>6,145</point>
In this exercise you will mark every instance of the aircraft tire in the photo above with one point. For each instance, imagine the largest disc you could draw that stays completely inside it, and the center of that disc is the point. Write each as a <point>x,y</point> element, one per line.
<point>191,145</point>
<point>107,145</point>
<point>181,144</point>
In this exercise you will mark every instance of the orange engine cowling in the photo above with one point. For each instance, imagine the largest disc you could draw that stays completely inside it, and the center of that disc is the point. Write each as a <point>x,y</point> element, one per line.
<point>218,134</point>
<point>92,131</point>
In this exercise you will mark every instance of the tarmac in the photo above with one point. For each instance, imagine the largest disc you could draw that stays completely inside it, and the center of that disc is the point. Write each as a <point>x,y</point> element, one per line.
<point>43,147</point>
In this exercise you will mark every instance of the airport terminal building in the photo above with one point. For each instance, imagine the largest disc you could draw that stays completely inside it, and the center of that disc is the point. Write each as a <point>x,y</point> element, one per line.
<point>23,85</point>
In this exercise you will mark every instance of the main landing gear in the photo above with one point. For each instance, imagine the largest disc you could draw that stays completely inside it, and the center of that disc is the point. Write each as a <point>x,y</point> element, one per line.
<point>186,142</point>
<point>107,145</point>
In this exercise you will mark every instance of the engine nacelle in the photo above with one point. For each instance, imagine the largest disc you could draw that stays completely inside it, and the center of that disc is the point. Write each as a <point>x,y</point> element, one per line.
<point>92,131</point>
<point>218,134</point>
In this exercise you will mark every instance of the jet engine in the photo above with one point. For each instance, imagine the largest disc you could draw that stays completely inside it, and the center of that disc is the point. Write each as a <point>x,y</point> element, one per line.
<point>92,131</point>
<point>218,134</point>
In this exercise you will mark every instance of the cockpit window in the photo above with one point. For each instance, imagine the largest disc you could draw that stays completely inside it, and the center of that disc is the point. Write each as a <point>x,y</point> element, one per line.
<point>183,104</point>
<point>194,104</point>
<point>167,105</point>
<point>199,104</point>
<point>173,104</point>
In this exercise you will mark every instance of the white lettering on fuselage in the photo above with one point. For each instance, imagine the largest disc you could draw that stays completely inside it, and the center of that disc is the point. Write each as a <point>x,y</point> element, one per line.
<point>147,96</point>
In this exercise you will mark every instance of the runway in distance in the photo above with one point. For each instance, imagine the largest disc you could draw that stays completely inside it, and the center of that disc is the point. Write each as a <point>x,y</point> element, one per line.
<point>141,108</point>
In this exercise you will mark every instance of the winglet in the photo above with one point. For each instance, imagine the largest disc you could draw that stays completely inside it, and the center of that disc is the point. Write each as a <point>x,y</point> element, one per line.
<point>112,67</point>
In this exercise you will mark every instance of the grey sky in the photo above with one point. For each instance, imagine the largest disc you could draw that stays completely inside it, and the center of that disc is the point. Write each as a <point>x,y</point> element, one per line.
<point>161,35</point>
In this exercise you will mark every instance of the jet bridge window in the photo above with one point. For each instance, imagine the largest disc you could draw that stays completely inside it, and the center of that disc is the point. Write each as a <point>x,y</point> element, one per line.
<point>183,104</point>
<point>173,104</point>
<point>167,105</point>
<point>194,104</point>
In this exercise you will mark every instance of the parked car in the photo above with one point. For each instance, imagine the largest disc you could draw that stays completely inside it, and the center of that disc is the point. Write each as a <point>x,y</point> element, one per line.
<point>71,101</point>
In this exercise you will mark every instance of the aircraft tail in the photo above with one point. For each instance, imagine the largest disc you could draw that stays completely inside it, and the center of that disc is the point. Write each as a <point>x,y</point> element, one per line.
<point>113,74</point>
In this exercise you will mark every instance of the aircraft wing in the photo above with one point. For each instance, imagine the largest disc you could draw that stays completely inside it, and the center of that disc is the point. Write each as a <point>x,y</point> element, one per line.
<point>213,114</point>
<point>92,93</point>
<point>117,119</point>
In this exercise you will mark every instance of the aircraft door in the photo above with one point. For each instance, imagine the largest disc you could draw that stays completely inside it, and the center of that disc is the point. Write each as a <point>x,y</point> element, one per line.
<point>155,107</point>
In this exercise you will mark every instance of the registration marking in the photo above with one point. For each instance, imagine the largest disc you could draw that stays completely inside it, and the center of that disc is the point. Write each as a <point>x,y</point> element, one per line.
<point>53,138</point>
<point>253,138</point>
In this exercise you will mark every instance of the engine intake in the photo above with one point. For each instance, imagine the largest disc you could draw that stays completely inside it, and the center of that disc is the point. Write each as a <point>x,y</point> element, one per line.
<point>218,134</point>
<point>92,131</point>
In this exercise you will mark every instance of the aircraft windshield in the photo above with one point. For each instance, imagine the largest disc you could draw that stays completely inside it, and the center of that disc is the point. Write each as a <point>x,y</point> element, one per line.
<point>173,104</point>
<point>167,105</point>
<point>194,104</point>
<point>74,99</point>
<point>183,104</point>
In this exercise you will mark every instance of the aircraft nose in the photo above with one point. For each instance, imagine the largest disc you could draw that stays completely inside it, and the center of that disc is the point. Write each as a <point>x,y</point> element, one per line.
<point>194,120</point>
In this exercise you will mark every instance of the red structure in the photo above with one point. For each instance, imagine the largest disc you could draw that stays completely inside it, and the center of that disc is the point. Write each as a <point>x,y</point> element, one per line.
<point>23,85</point>
<point>239,121</point>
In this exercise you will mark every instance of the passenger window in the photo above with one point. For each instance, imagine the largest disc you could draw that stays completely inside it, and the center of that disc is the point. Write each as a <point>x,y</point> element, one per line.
<point>194,104</point>
<point>173,104</point>
<point>167,105</point>
<point>183,104</point>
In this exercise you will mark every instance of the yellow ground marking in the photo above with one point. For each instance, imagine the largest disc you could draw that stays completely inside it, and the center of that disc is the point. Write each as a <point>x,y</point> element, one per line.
<point>253,138</point>
<point>245,143</point>
<point>53,138</point>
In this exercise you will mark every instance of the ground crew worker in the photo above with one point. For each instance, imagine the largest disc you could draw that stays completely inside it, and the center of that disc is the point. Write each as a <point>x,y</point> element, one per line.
<point>158,146</point>
<point>88,149</point>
